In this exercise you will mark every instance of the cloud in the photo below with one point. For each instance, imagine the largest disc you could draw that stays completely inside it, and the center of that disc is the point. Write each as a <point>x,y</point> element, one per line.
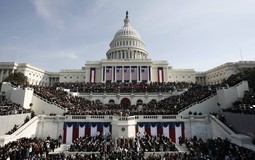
<point>63,55</point>
<point>47,10</point>
<point>43,9</point>
<point>69,55</point>
<point>99,4</point>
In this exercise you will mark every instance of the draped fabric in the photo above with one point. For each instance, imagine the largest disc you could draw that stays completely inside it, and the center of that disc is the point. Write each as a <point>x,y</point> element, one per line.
<point>69,134</point>
<point>75,133</point>
<point>159,130</point>
<point>74,130</point>
<point>87,131</point>
<point>109,73</point>
<point>172,134</point>
<point>106,130</point>
<point>81,131</point>
<point>93,131</point>
<point>144,73</point>
<point>173,130</point>
<point>178,133</point>
<point>134,73</point>
<point>118,73</point>
<point>154,131</point>
<point>126,73</point>
<point>166,131</point>
<point>141,130</point>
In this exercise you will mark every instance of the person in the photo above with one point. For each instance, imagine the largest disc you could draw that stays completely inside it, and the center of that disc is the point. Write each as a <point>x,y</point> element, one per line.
<point>59,140</point>
<point>180,140</point>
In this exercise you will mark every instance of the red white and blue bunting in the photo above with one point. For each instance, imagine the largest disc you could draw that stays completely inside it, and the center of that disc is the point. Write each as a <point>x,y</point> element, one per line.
<point>74,130</point>
<point>172,130</point>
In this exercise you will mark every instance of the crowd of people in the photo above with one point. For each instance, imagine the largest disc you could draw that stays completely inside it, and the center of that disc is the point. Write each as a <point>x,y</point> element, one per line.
<point>81,106</point>
<point>245,105</point>
<point>8,107</point>
<point>105,144</point>
<point>217,149</point>
<point>198,149</point>
<point>28,148</point>
<point>126,87</point>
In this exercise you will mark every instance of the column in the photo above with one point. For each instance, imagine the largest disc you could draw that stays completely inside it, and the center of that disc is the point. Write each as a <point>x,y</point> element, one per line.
<point>165,75</point>
<point>112,74</point>
<point>140,74</point>
<point>7,72</point>
<point>149,73</point>
<point>130,67</point>
<point>115,74</point>
<point>137,75</point>
<point>103,74</point>
<point>122,73</point>
<point>1,75</point>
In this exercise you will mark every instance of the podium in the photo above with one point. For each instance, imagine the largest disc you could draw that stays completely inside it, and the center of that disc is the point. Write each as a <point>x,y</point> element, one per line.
<point>123,126</point>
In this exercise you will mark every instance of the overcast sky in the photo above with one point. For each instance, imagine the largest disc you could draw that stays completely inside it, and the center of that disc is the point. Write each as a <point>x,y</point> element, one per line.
<point>189,34</point>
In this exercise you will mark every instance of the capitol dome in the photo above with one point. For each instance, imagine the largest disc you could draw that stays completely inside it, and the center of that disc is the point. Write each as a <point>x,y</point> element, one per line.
<point>127,43</point>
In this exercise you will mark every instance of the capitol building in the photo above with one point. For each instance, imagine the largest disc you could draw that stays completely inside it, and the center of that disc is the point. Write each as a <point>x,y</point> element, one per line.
<point>127,60</point>
<point>127,111</point>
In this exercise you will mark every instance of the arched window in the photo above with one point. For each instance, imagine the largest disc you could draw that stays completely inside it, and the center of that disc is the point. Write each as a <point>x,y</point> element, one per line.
<point>139,102</point>
<point>111,102</point>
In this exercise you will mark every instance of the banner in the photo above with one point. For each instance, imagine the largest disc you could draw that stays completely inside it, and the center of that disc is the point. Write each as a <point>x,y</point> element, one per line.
<point>144,73</point>
<point>108,73</point>
<point>134,73</point>
<point>119,73</point>
<point>126,73</point>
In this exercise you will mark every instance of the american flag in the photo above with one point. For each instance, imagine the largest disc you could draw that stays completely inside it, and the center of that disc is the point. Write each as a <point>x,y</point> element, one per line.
<point>118,73</point>
<point>108,73</point>
<point>126,73</point>
<point>134,73</point>
<point>144,73</point>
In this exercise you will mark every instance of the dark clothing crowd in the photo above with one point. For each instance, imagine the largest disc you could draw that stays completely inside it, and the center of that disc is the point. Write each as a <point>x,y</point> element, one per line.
<point>245,105</point>
<point>7,107</point>
<point>81,106</point>
<point>211,149</point>
<point>28,148</point>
